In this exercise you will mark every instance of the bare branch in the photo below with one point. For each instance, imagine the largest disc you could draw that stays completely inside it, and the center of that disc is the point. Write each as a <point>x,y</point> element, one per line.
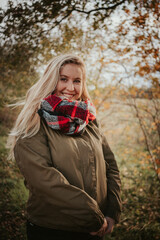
<point>145,136</point>
<point>100,9</point>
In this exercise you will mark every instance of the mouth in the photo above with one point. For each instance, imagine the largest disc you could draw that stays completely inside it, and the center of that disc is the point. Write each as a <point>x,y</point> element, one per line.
<point>67,95</point>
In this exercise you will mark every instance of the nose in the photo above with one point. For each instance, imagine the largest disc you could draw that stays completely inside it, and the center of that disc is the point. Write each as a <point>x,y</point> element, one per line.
<point>70,86</point>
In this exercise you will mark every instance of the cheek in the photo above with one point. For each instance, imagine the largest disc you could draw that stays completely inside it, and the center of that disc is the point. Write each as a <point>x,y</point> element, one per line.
<point>79,89</point>
<point>59,86</point>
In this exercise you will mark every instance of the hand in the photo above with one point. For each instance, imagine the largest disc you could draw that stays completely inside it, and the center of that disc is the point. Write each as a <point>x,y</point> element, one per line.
<point>101,232</point>
<point>111,223</point>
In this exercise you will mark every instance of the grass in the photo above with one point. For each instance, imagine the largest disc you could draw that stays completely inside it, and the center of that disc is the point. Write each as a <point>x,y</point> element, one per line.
<point>13,197</point>
<point>13,194</point>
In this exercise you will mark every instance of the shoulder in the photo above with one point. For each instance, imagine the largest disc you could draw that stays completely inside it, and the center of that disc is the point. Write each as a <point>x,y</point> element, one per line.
<point>39,136</point>
<point>93,128</point>
<point>95,124</point>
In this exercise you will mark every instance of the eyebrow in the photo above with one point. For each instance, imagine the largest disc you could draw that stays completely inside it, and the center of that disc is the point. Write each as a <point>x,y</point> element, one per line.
<point>62,75</point>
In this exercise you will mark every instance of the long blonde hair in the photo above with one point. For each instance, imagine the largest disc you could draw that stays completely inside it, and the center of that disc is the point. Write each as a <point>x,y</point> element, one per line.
<point>28,121</point>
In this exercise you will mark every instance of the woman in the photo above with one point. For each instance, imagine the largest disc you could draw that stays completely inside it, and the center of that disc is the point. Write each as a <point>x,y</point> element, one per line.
<point>69,169</point>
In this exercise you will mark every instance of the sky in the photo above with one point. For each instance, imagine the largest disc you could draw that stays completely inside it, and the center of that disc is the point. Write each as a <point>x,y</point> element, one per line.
<point>3,3</point>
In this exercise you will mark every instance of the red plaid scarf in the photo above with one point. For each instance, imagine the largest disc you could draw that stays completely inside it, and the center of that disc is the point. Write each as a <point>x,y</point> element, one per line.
<point>66,115</point>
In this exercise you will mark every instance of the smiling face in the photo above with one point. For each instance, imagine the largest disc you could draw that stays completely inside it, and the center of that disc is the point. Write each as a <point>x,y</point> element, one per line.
<point>70,82</point>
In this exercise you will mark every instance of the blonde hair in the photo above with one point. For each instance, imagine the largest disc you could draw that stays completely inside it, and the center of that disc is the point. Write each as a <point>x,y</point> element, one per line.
<point>28,121</point>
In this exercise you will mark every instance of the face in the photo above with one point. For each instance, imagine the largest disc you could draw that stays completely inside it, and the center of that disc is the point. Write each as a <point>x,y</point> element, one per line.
<point>70,82</point>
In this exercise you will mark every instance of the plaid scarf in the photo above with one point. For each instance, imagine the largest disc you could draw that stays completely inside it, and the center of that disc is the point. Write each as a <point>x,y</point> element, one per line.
<point>70,117</point>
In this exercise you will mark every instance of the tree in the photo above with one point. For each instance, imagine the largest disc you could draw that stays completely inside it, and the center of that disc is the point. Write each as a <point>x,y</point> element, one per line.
<point>30,22</point>
<point>29,30</point>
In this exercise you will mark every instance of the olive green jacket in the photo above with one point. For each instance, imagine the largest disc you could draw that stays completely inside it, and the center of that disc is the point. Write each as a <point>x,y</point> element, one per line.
<point>73,181</point>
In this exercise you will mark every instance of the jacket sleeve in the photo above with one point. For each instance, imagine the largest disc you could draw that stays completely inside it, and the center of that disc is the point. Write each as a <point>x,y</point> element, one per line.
<point>33,158</point>
<point>113,209</point>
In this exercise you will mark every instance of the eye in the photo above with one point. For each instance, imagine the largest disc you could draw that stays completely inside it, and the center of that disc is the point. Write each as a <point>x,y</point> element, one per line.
<point>63,79</point>
<point>77,81</point>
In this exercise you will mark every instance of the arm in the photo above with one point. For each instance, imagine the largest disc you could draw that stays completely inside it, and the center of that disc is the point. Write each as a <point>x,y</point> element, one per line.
<point>113,206</point>
<point>34,160</point>
<point>113,209</point>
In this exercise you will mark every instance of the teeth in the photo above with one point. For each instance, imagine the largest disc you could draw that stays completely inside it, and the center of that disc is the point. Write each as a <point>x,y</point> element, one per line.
<point>68,96</point>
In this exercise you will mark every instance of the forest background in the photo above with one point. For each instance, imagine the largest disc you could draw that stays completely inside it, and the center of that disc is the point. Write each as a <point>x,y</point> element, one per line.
<point>119,41</point>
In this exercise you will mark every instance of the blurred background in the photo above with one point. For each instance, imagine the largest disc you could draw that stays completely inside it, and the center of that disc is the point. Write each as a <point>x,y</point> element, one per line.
<point>119,41</point>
